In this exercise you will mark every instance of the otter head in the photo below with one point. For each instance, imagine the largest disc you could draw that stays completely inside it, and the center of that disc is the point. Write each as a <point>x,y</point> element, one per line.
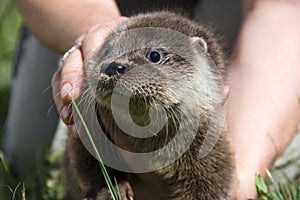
<point>156,74</point>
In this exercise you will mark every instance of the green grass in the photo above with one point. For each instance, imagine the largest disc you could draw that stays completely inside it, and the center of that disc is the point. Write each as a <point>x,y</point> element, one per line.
<point>45,184</point>
<point>277,191</point>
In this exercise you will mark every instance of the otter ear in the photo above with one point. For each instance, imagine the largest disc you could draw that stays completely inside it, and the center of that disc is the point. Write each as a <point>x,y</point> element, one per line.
<point>200,41</point>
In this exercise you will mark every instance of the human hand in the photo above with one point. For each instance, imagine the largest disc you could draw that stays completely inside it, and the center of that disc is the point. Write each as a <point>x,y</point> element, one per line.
<point>254,149</point>
<point>249,163</point>
<point>66,82</point>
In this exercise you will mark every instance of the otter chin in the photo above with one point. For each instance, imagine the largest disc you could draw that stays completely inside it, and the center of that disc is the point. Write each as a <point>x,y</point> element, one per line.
<point>157,87</point>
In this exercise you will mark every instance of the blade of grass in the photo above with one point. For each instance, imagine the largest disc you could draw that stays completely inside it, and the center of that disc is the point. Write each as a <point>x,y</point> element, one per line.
<point>103,169</point>
<point>23,192</point>
<point>15,192</point>
<point>260,185</point>
<point>4,161</point>
<point>118,189</point>
<point>277,189</point>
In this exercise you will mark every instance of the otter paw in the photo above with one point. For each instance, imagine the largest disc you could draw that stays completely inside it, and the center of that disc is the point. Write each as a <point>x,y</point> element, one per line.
<point>124,187</point>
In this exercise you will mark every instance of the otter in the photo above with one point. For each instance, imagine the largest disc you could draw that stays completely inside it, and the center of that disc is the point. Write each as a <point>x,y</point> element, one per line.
<point>157,83</point>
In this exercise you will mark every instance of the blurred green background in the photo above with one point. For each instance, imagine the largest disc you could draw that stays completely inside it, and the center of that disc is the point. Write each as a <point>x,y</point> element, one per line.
<point>10,22</point>
<point>48,185</point>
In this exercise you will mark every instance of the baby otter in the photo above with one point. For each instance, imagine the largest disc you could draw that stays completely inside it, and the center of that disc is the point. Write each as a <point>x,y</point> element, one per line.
<point>158,93</point>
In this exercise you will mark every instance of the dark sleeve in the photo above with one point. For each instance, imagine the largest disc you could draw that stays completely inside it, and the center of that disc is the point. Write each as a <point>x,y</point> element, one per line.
<point>131,7</point>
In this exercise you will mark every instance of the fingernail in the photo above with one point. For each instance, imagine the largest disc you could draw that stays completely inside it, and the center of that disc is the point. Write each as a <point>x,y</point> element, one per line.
<point>66,90</point>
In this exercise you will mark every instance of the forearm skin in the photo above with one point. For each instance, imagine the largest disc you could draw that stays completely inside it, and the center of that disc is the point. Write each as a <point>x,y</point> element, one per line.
<point>58,23</point>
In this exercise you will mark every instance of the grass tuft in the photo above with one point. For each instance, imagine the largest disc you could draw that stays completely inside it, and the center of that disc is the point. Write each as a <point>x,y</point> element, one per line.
<point>277,191</point>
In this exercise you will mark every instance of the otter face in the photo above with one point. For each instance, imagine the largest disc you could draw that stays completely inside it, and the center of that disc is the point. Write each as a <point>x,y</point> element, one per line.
<point>148,64</point>
<point>152,65</point>
<point>143,73</point>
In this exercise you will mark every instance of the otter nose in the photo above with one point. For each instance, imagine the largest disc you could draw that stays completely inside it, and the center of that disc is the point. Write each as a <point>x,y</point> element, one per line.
<point>114,69</point>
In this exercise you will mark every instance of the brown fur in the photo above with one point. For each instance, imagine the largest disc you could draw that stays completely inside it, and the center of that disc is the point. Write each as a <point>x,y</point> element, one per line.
<point>189,177</point>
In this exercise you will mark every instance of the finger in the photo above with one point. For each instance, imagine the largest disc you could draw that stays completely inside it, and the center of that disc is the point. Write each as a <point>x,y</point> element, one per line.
<point>71,76</point>
<point>55,83</point>
<point>65,111</point>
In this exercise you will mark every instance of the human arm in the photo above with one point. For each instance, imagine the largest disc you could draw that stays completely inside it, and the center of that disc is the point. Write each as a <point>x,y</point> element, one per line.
<point>60,24</point>
<point>263,111</point>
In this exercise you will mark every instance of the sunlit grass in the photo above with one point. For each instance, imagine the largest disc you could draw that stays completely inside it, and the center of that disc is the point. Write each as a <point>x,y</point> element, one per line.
<point>277,191</point>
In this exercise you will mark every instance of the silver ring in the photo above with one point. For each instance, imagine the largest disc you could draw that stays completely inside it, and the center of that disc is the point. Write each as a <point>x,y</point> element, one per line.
<point>61,61</point>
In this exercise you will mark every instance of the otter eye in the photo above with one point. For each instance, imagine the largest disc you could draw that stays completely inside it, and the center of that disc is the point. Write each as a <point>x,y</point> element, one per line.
<point>154,57</point>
